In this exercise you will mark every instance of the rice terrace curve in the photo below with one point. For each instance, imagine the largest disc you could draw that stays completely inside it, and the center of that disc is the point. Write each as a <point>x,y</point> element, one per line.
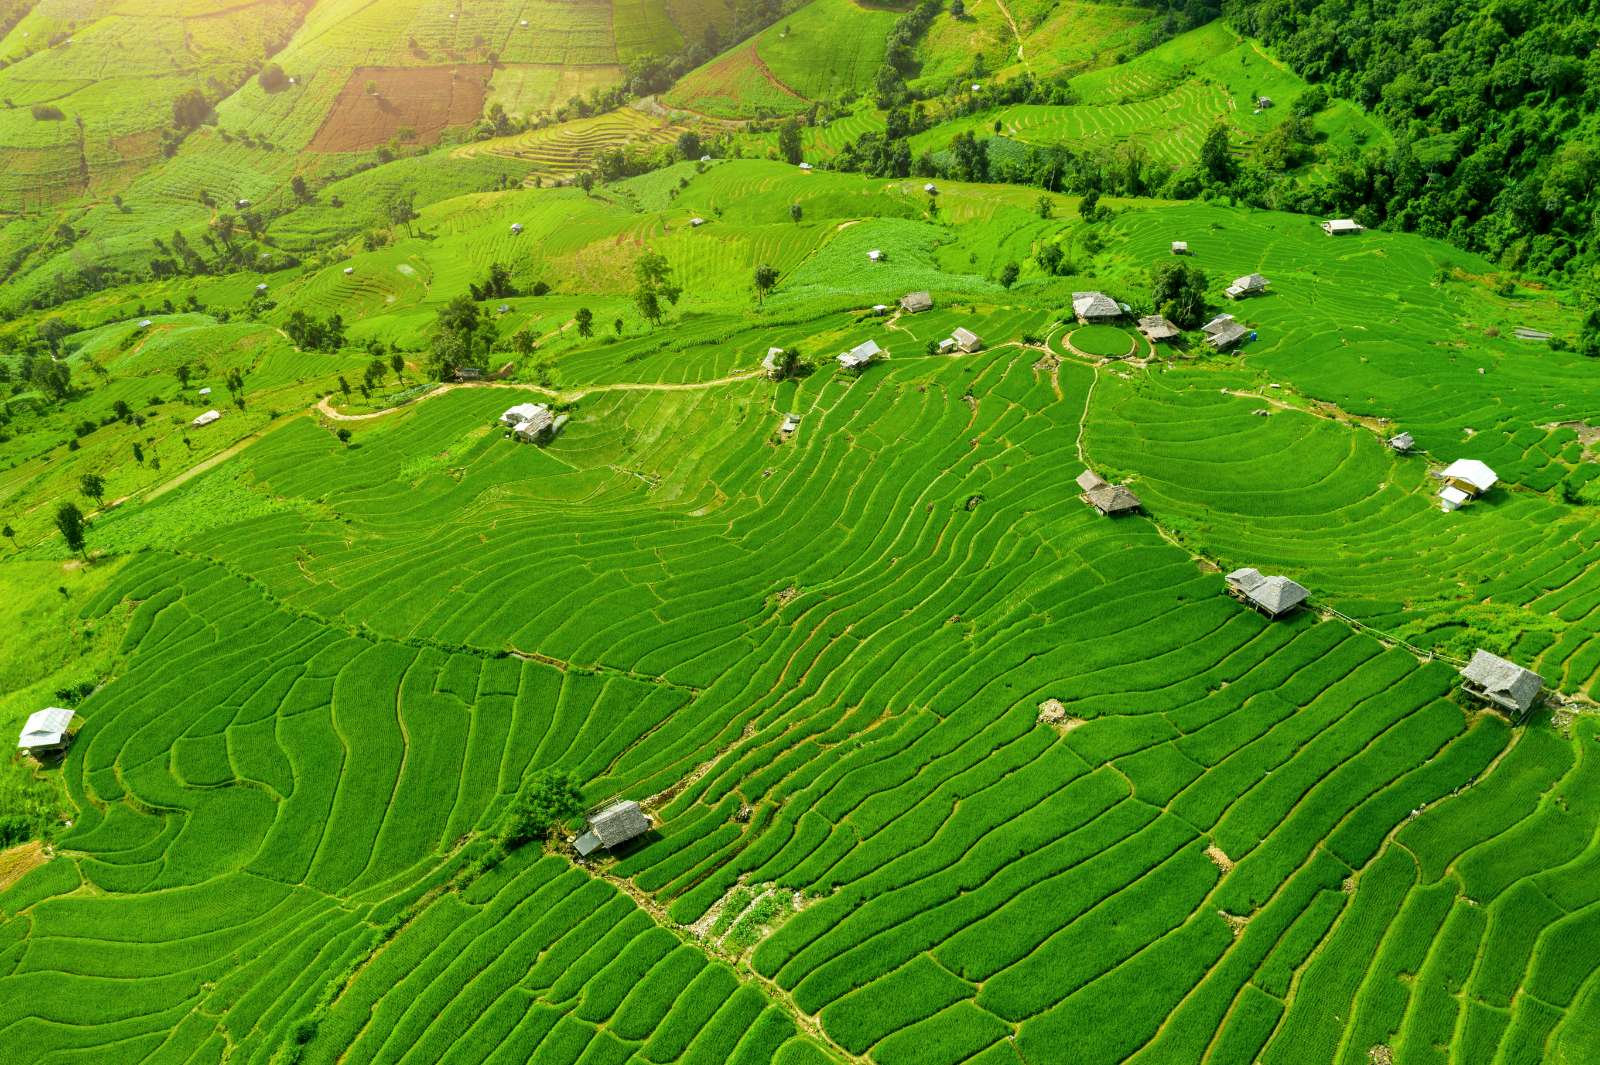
<point>673,532</point>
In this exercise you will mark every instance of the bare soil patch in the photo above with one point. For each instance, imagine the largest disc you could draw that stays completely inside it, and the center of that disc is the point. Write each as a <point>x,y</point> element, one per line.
<point>426,100</point>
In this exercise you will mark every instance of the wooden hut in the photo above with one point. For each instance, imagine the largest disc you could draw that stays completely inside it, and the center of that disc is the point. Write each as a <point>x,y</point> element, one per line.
<point>1274,596</point>
<point>1156,328</point>
<point>1501,683</point>
<point>46,732</point>
<point>612,827</point>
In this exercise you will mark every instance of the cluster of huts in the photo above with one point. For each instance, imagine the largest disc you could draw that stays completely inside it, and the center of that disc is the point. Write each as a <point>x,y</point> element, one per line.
<point>533,423</point>
<point>864,354</point>
<point>1487,677</point>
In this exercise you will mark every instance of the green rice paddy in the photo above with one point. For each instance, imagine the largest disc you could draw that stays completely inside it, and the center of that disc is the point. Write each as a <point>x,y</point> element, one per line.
<point>945,768</point>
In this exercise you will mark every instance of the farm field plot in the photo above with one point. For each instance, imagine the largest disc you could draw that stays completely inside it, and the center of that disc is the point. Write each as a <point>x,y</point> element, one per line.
<point>941,766</point>
<point>376,104</point>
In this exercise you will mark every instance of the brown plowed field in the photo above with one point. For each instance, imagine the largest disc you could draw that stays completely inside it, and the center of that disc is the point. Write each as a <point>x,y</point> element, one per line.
<point>427,99</point>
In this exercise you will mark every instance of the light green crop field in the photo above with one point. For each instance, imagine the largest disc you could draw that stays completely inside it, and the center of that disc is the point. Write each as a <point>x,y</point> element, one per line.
<point>944,768</point>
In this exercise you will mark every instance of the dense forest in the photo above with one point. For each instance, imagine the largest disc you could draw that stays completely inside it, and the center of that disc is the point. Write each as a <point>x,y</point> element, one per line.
<point>1493,110</point>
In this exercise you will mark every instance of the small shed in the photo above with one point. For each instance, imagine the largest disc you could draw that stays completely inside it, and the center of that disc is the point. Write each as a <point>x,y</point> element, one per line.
<point>542,425</point>
<point>612,827</point>
<point>1088,480</point>
<point>966,339</point>
<point>791,422</point>
<point>773,363</point>
<point>1469,476</point>
<point>916,302</point>
<point>1226,335</point>
<point>1180,247</point>
<point>1248,285</point>
<point>205,391</point>
<point>1156,328</point>
<point>1501,683</point>
<point>520,413</point>
<point>205,419</point>
<point>947,345</point>
<point>1263,102</point>
<point>880,308</point>
<point>1274,596</point>
<point>697,221</point>
<point>1401,442</point>
<point>469,373</point>
<point>1095,307</point>
<point>805,166</point>
<point>516,227</point>
<point>1112,499</point>
<point>46,731</point>
<point>261,288</point>
<point>1341,227</point>
<point>875,255</point>
<point>858,357</point>
<point>349,270</point>
<point>931,189</point>
<point>145,323</point>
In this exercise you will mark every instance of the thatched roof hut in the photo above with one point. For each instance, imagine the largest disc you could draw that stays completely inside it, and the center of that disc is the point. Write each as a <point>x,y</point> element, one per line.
<point>612,827</point>
<point>1502,683</point>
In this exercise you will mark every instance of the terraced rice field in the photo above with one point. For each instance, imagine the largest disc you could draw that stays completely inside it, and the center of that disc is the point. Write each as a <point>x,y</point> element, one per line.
<point>944,767</point>
<point>563,150</point>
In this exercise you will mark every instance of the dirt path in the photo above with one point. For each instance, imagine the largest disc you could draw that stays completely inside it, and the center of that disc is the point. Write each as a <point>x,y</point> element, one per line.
<point>211,463</point>
<point>1016,33</point>
<point>325,405</point>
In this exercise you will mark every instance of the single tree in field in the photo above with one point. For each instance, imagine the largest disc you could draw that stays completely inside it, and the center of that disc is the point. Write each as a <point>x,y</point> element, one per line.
<point>585,321</point>
<point>190,109</point>
<point>549,798</point>
<point>402,211</point>
<point>183,372</point>
<point>344,386</point>
<point>796,212</point>
<point>397,363</point>
<point>1215,158</point>
<point>689,147</point>
<point>586,181</point>
<point>69,519</point>
<point>9,533</point>
<point>301,190</point>
<point>957,9</point>
<point>1046,207</point>
<point>344,437</point>
<point>789,141</point>
<point>1179,293</point>
<point>523,342</point>
<point>94,486</point>
<point>1089,206</point>
<point>766,277</point>
<point>617,325</point>
<point>374,372</point>
<point>1008,274</point>
<point>138,453</point>
<point>653,287</point>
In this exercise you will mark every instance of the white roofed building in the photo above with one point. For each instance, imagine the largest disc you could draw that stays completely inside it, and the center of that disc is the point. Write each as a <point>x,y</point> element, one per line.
<point>966,339</point>
<point>47,731</point>
<point>858,357</point>
<point>205,419</point>
<point>1339,227</point>
<point>1464,480</point>
<point>520,413</point>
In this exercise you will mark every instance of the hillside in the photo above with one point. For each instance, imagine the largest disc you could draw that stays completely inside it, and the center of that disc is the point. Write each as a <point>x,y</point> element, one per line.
<point>820,657</point>
<point>916,544</point>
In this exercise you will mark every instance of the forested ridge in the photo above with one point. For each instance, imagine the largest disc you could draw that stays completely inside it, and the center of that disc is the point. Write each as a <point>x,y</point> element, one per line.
<point>1493,109</point>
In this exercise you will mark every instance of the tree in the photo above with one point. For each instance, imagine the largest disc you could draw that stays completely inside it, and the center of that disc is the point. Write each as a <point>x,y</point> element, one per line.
<point>1179,293</point>
<point>617,325</point>
<point>190,109</point>
<point>138,453</point>
<point>397,363</point>
<point>93,485</point>
<point>1089,206</point>
<point>796,212</point>
<point>550,797</point>
<point>344,436</point>
<point>8,532</point>
<point>1050,258</point>
<point>766,277</point>
<point>653,286</point>
<point>301,190</point>
<point>585,320</point>
<point>789,141</point>
<point>53,331</point>
<point>1008,274</point>
<point>184,372</point>
<point>69,519</point>
<point>402,211</point>
<point>272,78</point>
<point>586,181</point>
<point>957,9</point>
<point>344,386</point>
<point>1215,159</point>
<point>689,146</point>
<point>1045,207</point>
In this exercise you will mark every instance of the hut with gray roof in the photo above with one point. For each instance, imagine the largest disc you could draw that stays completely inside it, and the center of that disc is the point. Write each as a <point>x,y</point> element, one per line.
<point>1501,683</point>
<point>1402,442</point>
<point>1112,500</point>
<point>1090,307</point>
<point>1156,328</point>
<point>1274,596</point>
<point>612,827</point>
<point>858,357</point>
<point>1224,331</point>
<point>1248,285</point>
<point>916,302</point>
